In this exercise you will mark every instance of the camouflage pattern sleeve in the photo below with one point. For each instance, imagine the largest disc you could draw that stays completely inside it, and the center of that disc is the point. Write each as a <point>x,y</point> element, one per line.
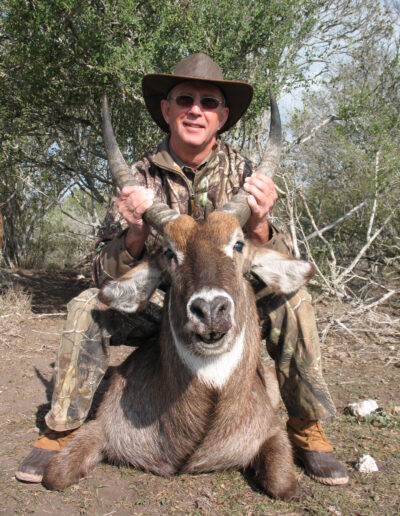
<point>111,258</point>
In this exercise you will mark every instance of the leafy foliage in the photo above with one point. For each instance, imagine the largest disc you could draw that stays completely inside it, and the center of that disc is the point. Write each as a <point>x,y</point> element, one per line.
<point>354,161</point>
<point>57,58</point>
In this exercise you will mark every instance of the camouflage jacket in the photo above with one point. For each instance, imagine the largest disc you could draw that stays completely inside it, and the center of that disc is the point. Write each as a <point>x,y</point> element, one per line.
<point>198,193</point>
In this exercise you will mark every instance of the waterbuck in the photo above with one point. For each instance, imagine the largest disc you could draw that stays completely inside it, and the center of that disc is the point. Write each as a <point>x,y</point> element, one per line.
<point>197,400</point>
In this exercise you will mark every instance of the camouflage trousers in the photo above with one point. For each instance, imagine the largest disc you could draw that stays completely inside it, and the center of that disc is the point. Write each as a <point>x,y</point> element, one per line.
<point>287,323</point>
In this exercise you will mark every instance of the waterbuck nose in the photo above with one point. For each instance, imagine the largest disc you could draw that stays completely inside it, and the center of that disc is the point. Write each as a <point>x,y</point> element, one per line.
<point>213,313</point>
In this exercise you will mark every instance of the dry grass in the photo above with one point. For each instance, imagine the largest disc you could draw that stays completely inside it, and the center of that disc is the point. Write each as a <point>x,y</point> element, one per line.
<point>15,301</point>
<point>15,305</point>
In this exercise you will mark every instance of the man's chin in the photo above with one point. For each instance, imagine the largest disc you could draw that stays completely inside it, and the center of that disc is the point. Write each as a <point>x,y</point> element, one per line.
<point>192,142</point>
<point>195,138</point>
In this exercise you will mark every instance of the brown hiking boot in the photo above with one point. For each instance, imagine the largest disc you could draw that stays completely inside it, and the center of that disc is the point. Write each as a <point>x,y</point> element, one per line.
<point>50,442</point>
<point>315,453</point>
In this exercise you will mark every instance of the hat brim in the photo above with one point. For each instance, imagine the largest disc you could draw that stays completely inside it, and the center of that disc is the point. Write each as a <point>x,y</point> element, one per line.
<point>156,87</point>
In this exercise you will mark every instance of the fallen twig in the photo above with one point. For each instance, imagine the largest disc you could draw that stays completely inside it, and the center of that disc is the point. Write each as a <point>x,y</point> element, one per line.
<point>42,316</point>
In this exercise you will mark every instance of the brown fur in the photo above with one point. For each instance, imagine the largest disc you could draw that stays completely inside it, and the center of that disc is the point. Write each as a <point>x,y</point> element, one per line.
<point>161,416</point>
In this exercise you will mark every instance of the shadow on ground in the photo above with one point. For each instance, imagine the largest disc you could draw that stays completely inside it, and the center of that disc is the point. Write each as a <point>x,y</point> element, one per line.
<point>50,290</point>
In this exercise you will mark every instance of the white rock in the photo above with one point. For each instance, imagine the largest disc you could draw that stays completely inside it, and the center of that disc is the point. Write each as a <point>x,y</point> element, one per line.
<point>366,464</point>
<point>362,408</point>
<point>80,276</point>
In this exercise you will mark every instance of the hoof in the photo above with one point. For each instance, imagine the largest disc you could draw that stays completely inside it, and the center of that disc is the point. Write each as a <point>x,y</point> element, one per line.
<point>32,467</point>
<point>322,467</point>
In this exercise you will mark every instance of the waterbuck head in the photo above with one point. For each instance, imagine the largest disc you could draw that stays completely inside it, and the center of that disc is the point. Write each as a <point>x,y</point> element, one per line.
<point>209,300</point>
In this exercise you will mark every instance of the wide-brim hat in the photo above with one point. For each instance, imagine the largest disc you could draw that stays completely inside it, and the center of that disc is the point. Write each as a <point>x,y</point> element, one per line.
<point>196,67</point>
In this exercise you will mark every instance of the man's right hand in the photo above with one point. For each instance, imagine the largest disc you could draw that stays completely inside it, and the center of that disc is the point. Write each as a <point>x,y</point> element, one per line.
<point>132,203</point>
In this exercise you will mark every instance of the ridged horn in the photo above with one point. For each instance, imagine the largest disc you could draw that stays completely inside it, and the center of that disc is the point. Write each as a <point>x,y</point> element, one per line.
<point>119,169</point>
<point>238,205</point>
<point>159,213</point>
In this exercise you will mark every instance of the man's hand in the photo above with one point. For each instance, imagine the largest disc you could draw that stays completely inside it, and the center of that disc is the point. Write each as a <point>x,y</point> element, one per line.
<point>132,203</point>
<point>262,199</point>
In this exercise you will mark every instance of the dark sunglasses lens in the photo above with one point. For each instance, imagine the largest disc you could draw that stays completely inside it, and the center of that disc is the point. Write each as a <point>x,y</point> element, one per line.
<point>184,100</point>
<point>209,103</point>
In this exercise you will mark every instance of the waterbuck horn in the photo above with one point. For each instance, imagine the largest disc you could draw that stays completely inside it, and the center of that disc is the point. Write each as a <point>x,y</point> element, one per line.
<point>238,205</point>
<point>159,213</point>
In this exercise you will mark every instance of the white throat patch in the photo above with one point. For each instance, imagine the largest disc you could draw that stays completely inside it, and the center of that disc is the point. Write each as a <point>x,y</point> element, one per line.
<point>214,371</point>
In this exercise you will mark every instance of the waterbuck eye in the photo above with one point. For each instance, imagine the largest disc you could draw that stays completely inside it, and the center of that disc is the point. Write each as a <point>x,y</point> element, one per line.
<point>169,253</point>
<point>238,246</point>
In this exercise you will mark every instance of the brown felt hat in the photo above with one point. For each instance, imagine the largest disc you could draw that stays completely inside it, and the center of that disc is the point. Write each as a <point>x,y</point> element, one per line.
<point>196,67</point>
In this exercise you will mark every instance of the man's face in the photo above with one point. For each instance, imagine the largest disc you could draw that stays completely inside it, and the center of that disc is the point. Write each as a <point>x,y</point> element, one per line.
<point>194,126</point>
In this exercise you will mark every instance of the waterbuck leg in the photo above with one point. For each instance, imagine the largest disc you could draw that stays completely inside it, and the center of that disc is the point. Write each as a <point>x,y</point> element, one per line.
<point>75,460</point>
<point>274,468</point>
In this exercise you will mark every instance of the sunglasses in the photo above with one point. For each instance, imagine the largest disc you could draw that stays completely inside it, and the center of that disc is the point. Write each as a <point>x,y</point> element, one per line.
<point>186,101</point>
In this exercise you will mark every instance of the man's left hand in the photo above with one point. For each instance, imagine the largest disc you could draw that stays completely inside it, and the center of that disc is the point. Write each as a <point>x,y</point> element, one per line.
<point>262,198</point>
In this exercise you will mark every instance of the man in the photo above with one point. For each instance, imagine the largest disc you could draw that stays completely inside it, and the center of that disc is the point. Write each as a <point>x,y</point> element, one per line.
<point>194,172</point>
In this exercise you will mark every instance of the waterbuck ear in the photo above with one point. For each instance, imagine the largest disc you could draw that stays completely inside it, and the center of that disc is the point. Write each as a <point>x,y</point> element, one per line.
<point>132,291</point>
<point>282,273</point>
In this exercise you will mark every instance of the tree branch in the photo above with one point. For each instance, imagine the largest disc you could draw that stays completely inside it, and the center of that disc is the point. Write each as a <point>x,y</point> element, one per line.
<point>337,221</point>
<point>366,246</point>
<point>303,139</point>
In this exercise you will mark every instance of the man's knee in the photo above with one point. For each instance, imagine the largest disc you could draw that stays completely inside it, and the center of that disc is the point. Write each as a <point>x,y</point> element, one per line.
<point>87,298</point>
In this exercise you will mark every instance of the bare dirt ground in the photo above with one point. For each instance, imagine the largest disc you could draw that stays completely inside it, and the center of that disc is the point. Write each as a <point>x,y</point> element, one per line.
<point>354,370</point>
